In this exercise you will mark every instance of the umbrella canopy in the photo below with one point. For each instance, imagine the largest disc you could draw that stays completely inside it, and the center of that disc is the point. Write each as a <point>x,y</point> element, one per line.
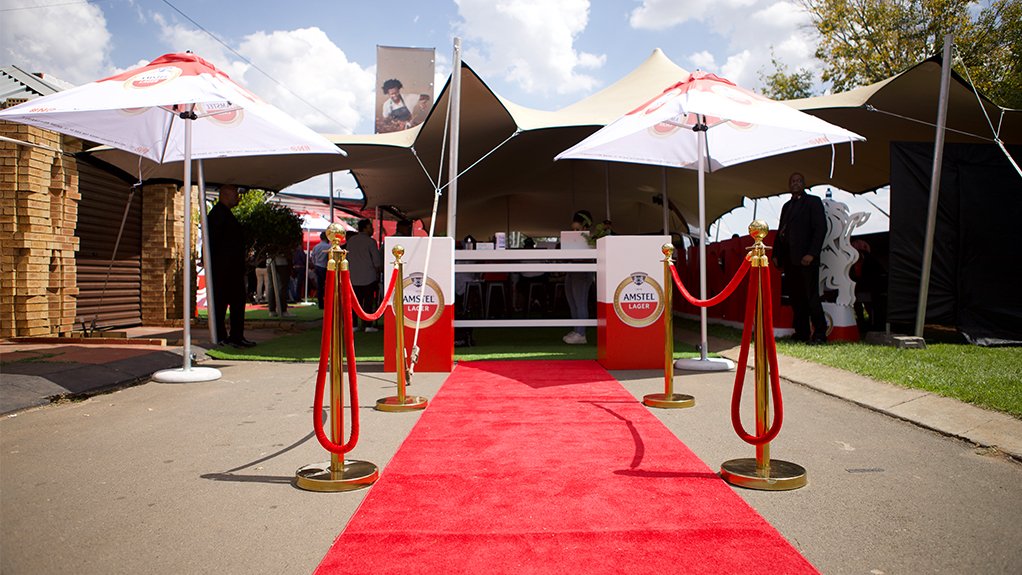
<point>706,122</point>
<point>739,126</point>
<point>179,107</point>
<point>142,111</point>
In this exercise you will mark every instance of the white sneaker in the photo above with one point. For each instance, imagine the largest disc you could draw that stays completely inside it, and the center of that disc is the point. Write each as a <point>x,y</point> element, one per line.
<point>287,314</point>
<point>574,338</point>
<point>273,314</point>
<point>371,329</point>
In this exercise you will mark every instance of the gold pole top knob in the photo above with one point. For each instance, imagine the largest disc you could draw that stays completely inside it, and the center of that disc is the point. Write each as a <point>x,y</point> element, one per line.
<point>759,229</point>
<point>335,233</point>
<point>398,252</point>
<point>668,250</point>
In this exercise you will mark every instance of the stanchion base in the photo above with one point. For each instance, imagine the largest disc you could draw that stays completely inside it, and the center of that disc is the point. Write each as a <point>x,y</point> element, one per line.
<point>673,401</point>
<point>192,375</point>
<point>708,364</point>
<point>411,403</point>
<point>319,477</point>
<point>781,476</point>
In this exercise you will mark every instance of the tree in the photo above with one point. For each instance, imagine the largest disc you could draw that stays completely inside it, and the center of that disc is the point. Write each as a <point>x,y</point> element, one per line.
<point>865,41</point>
<point>782,85</point>
<point>270,229</point>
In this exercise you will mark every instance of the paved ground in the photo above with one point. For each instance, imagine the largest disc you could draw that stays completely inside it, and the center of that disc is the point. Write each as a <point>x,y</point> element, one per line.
<point>195,478</point>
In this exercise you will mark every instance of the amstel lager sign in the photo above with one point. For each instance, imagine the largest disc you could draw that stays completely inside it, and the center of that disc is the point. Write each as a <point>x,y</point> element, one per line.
<point>639,300</point>
<point>424,295</point>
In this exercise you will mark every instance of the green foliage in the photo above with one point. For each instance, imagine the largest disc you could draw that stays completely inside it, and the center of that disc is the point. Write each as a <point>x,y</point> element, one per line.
<point>865,41</point>
<point>270,229</point>
<point>782,85</point>
<point>599,230</point>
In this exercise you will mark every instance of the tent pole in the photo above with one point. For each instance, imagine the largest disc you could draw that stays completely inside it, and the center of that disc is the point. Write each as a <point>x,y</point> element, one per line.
<point>663,186</point>
<point>452,183</point>
<point>931,214</point>
<point>207,259</point>
<point>606,186</point>
<point>331,196</point>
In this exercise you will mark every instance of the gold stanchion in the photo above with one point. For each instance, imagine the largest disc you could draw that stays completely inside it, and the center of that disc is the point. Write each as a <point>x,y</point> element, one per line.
<point>338,474</point>
<point>401,402</point>
<point>668,399</point>
<point>762,473</point>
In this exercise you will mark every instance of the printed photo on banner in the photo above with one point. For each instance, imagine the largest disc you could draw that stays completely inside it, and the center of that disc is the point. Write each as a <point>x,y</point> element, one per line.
<point>404,78</point>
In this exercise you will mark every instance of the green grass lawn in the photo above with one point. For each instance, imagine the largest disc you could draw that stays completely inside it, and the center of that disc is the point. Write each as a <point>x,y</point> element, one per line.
<point>490,343</point>
<point>987,377</point>
<point>301,313</point>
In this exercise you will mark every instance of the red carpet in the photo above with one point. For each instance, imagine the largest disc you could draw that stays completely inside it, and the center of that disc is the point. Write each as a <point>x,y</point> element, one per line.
<point>551,467</point>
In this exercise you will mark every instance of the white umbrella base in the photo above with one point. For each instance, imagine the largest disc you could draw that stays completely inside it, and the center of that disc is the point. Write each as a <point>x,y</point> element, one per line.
<point>193,375</point>
<point>708,364</point>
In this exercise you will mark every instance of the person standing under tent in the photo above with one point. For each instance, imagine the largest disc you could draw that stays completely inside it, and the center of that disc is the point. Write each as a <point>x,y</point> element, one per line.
<point>320,256</point>
<point>800,236</point>
<point>577,285</point>
<point>365,262</point>
<point>228,253</point>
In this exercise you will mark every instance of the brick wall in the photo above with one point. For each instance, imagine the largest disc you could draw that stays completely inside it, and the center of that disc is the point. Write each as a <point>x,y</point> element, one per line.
<point>38,214</point>
<point>162,240</point>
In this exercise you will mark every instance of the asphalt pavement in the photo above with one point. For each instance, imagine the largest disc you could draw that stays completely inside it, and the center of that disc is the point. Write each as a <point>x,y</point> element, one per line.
<point>125,475</point>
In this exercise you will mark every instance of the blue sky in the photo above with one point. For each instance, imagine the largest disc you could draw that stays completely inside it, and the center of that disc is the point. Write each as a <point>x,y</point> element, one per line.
<point>539,53</point>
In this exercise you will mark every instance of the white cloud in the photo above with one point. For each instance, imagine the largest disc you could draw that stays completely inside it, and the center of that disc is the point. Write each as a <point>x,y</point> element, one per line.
<point>750,27</point>
<point>703,60</point>
<point>529,42</point>
<point>300,71</point>
<point>69,41</point>
<point>315,70</point>
<point>663,14</point>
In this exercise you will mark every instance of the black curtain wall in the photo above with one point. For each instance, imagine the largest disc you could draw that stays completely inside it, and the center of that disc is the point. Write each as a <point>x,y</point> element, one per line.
<point>975,278</point>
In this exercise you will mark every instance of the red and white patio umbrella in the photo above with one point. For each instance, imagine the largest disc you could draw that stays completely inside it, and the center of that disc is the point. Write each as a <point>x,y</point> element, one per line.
<point>706,123</point>
<point>178,107</point>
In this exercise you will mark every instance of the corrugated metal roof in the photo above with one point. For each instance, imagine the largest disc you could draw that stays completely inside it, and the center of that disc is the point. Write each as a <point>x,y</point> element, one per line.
<point>20,85</point>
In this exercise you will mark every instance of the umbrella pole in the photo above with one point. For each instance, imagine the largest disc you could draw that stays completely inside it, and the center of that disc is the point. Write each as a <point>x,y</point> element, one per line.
<point>187,374</point>
<point>703,363</point>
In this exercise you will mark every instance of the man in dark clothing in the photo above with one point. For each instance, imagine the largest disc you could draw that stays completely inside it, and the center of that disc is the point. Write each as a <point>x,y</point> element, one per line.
<point>800,236</point>
<point>227,252</point>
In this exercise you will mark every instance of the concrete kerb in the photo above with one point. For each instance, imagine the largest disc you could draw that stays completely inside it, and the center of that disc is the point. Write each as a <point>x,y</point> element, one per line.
<point>982,427</point>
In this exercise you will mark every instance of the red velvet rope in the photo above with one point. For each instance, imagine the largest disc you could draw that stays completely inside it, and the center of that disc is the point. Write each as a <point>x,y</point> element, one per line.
<point>358,306</point>
<point>723,295</point>
<point>324,355</point>
<point>763,274</point>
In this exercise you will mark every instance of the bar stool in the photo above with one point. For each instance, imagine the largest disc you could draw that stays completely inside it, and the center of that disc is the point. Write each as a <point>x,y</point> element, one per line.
<point>491,286</point>
<point>472,286</point>
<point>533,287</point>
<point>495,281</point>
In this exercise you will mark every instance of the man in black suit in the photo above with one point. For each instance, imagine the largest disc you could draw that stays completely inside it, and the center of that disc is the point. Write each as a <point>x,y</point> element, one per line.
<point>228,251</point>
<point>800,238</point>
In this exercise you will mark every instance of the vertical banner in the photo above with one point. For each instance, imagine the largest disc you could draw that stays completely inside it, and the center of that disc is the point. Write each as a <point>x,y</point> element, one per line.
<point>404,87</point>
<point>433,294</point>
<point>630,302</point>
